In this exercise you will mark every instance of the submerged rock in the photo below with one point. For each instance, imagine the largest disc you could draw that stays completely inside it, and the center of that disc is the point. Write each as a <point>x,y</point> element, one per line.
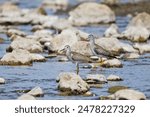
<point>128,94</point>
<point>114,78</point>
<point>112,31</point>
<point>114,89</point>
<point>112,63</point>
<point>36,92</point>
<point>91,13</point>
<point>26,97</point>
<point>1,40</point>
<point>72,83</point>
<point>20,57</point>
<point>2,81</point>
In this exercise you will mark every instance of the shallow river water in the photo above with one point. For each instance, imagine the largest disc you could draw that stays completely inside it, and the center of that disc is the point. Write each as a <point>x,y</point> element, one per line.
<point>136,73</point>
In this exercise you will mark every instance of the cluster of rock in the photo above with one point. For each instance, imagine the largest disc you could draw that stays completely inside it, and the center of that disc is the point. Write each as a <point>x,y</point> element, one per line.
<point>25,49</point>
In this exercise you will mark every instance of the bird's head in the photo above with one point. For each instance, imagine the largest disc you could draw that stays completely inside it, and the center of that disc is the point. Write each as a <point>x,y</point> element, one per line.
<point>91,38</point>
<point>66,49</point>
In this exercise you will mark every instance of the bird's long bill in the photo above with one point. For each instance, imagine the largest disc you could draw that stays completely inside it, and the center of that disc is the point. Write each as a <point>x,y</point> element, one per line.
<point>61,51</point>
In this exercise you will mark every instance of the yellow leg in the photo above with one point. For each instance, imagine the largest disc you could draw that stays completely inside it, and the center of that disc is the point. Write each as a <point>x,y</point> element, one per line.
<point>77,68</point>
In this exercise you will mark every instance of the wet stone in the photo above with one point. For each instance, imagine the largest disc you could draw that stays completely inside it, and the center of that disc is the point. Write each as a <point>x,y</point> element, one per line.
<point>114,89</point>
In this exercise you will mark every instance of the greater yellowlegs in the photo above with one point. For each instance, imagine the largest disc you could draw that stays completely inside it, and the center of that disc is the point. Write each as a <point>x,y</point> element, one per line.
<point>98,50</point>
<point>75,57</point>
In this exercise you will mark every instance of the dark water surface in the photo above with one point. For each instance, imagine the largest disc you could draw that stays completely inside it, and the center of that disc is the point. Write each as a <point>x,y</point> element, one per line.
<point>136,73</point>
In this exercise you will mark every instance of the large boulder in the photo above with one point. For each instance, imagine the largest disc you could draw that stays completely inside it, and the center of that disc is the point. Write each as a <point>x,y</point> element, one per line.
<point>138,29</point>
<point>72,83</point>
<point>112,45</point>
<point>82,47</point>
<point>20,57</point>
<point>91,13</point>
<point>141,19</point>
<point>136,34</point>
<point>67,37</point>
<point>26,44</point>
<point>128,94</point>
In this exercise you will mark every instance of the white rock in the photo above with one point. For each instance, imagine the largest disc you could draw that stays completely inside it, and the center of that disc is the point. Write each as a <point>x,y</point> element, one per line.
<point>96,79</point>
<point>37,57</point>
<point>141,19</point>
<point>128,94</point>
<point>131,56</point>
<point>128,48</point>
<point>59,24</point>
<point>112,31</point>
<point>112,45</point>
<point>26,44</point>
<point>82,47</point>
<point>114,78</point>
<point>43,33</point>
<point>142,48</point>
<point>37,19</point>
<point>2,81</point>
<point>91,13</point>
<point>72,83</point>
<point>17,57</point>
<point>56,4</point>
<point>67,37</point>
<point>20,57</point>
<point>36,92</point>
<point>136,33</point>
<point>11,32</point>
<point>8,10</point>
<point>14,20</point>
<point>112,63</point>
<point>26,97</point>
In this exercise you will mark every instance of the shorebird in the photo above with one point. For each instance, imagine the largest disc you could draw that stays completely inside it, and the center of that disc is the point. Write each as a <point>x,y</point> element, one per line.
<point>97,50</point>
<point>75,57</point>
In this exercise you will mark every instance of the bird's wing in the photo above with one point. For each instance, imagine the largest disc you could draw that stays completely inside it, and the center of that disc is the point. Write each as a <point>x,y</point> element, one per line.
<point>101,51</point>
<point>80,57</point>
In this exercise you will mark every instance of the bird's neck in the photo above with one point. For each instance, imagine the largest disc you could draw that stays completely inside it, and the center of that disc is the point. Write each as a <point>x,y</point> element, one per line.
<point>92,46</point>
<point>68,54</point>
